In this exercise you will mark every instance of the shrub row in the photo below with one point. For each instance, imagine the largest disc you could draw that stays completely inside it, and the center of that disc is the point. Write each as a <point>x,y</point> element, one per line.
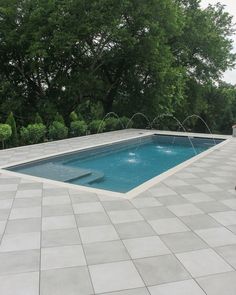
<point>38,132</point>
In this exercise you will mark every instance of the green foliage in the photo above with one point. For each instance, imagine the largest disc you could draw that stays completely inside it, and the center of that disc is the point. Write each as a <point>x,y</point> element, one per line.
<point>5,133</point>
<point>59,118</point>
<point>33,133</point>
<point>13,141</point>
<point>93,57</point>
<point>38,119</point>
<point>113,124</point>
<point>97,126</point>
<point>78,128</point>
<point>57,130</point>
<point>73,116</point>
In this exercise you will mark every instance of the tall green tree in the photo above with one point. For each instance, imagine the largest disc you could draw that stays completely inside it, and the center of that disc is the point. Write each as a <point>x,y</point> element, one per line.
<point>13,141</point>
<point>152,56</point>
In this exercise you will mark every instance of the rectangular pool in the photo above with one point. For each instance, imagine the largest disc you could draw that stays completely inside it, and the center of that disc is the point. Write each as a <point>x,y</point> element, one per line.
<point>121,166</point>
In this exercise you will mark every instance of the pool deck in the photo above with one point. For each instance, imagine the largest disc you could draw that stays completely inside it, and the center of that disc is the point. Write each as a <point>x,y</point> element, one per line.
<point>176,238</point>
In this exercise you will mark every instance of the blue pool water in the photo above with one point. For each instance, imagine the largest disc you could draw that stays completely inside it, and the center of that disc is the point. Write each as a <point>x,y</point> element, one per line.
<point>118,167</point>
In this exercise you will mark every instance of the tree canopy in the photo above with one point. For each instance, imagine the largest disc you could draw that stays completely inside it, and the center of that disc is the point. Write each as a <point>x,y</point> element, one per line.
<point>152,56</point>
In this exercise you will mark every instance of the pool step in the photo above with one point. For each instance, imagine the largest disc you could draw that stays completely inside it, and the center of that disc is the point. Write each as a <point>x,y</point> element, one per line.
<point>60,172</point>
<point>94,176</point>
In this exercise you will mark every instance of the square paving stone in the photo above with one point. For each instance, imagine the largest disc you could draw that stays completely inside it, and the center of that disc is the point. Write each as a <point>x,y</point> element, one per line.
<point>183,242</point>
<point>161,269</point>
<point>66,281</point>
<point>203,262</point>
<point>156,213</point>
<point>2,226</point>
<point>30,185</point>
<point>171,200</point>
<point>200,221</point>
<point>120,275</point>
<point>125,216</point>
<point>168,226</point>
<point>209,207</point>
<point>56,200</point>
<point>219,284</point>
<point>83,208</point>
<point>20,213</point>
<point>186,287</point>
<point>231,203</point>
<point>197,197</point>
<point>186,189</point>
<point>117,205</point>
<point>184,210</point>
<point>100,233</point>
<point>92,219</point>
<point>29,193</point>
<point>29,202</point>
<point>8,187</point>
<point>7,195</point>
<point>219,236</point>
<point>232,228</point>
<point>174,182</point>
<point>207,187</point>
<point>49,192</point>
<point>134,230</point>
<point>6,204</point>
<point>18,242</point>
<point>20,284</point>
<point>139,291</point>
<point>83,197</point>
<point>59,257</point>
<point>57,210</point>
<point>58,222</point>
<point>228,253</point>
<point>18,226</point>
<point>60,237</point>
<point>20,261</point>
<point>105,252</point>
<point>225,218</point>
<point>162,190</point>
<point>145,202</point>
<point>145,247</point>
<point>185,175</point>
<point>4,213</point>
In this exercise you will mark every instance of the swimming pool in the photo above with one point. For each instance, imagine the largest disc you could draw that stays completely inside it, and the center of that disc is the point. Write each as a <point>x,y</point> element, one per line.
<point>119,167</point>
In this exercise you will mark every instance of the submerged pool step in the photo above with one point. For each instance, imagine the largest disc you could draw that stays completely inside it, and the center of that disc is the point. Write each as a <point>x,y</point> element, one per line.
<point>60,172</point>
<point>94,176</point>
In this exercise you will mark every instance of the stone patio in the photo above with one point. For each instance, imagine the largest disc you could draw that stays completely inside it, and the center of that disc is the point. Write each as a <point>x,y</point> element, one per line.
<point>177,238</point>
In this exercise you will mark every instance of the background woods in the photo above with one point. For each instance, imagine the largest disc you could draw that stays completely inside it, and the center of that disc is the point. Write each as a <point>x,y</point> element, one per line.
<point>93,57</point>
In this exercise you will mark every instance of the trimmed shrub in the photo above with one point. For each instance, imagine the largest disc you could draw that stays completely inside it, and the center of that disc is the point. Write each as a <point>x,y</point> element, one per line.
<point>73,116</point>
<point>57,130</point>
<point>33,133</point>
<point>113,124</point>
<point>59,118</point>
<point>11,122</point>
<point>97,126</point>
<point>5,133</point>
<point>78,128</point>
<point>38,119</point>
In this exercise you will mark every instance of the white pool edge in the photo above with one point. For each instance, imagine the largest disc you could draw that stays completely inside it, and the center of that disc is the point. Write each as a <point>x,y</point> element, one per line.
<point>137,190</point>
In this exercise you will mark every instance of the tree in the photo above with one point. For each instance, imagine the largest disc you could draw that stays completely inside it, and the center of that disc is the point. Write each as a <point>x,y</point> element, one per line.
<point>204,51</point>
<point>104,50</point>
<point>5,133</point>
<point>153,56</point>
<point>12,123</point>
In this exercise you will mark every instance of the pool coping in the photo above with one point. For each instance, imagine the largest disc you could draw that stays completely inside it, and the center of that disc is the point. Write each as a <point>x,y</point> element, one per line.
<point>135,191</point>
